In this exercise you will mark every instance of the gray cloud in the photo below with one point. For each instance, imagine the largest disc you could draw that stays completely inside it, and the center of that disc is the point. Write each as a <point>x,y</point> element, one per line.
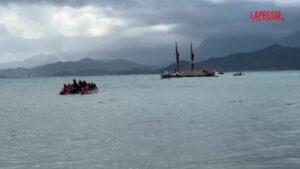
<point>138,39</point>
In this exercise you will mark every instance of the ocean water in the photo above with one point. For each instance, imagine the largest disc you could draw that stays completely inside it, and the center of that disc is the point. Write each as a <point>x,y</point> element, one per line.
<point>142,122</point>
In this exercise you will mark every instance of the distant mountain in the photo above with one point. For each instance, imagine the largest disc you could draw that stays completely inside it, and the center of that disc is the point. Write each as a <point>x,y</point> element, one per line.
<point>221,46</point>
<point>84,66</point>
<point>31,62</point>
<point>291,40</point>
<point>215,47</point>
<point>274,57</point>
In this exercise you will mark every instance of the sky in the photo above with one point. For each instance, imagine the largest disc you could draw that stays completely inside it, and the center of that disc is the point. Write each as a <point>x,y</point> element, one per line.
<point>138,30</point>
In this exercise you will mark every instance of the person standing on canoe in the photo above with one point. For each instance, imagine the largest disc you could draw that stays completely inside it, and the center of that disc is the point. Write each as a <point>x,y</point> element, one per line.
<point>74,87</point>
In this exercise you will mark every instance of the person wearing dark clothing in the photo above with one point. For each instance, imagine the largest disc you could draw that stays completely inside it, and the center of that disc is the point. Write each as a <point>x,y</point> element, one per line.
<point>80,84</point>
<point>75,83</point>
<point>75,87</point>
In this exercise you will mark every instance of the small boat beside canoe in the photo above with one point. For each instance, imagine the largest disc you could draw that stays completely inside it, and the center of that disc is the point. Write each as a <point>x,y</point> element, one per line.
<point>239,74</point>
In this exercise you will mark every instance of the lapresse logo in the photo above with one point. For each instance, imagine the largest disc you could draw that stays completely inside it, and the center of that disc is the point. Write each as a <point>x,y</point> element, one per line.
<point>266,15</point>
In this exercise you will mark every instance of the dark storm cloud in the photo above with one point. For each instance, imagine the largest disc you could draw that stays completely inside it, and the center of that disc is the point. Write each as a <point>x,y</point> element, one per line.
<point>69,2</point>
<point>202,18</point>
<point>193,20</point>
<point>197,20</point>
<point>194,17</point>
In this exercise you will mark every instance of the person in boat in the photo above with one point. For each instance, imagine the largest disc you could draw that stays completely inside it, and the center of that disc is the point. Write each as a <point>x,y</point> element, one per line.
<point>95,86</point>
<point>80,84</point>
<point>85,89</point>
<point>92,86</point>
<point>74,87</point>
<point>64,89</point>
<point>75,84</point>
<point>84,83</point>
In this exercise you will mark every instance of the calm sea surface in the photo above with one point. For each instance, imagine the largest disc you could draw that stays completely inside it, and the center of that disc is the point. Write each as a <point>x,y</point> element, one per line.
<point>142,122</point>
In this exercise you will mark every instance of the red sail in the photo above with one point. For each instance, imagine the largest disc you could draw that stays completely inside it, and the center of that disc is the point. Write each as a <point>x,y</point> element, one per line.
<point>192,58</point>
<point>177,59</point>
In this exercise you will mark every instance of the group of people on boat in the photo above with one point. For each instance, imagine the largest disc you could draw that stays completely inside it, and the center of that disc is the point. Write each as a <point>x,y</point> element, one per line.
<point>82,87</point>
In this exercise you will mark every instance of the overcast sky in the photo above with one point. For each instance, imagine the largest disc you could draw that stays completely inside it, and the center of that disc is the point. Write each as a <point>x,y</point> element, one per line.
<point>142,30</point>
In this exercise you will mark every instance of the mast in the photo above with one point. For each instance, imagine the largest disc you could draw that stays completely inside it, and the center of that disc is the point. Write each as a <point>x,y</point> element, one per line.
<point>192,58</point>
<point>177,59</point>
